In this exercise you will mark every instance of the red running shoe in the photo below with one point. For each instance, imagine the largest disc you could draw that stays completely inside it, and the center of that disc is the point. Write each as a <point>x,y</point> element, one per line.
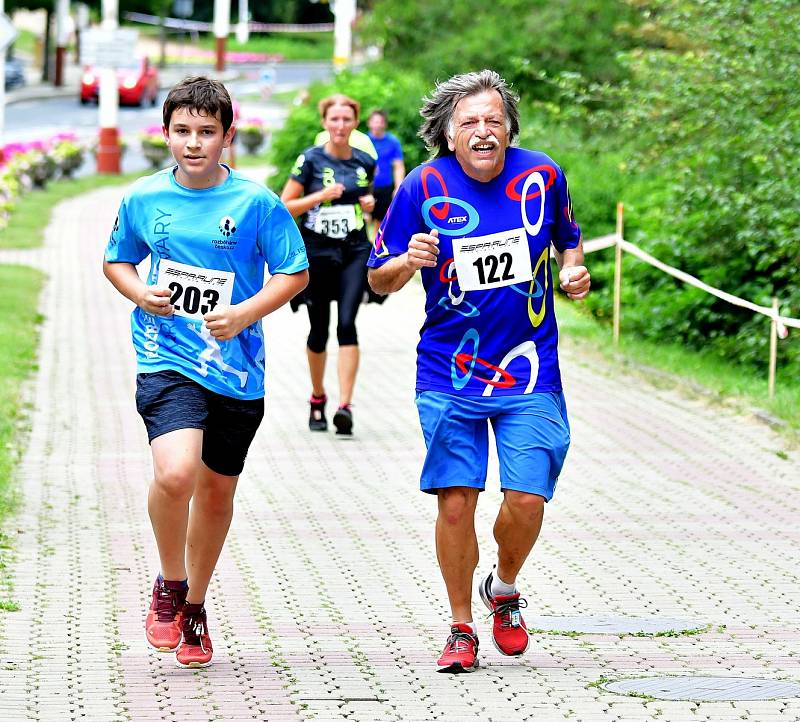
<point>163,624</point>
<point>195,649</point>
<point>460,652</point>
<point>509,633</point>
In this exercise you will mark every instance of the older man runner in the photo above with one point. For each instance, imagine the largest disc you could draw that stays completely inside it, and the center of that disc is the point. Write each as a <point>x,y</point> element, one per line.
<point>477,221</point>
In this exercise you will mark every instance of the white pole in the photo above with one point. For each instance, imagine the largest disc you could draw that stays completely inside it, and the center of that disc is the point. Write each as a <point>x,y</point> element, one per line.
<point>773,349</point>
<point>108,152</point>
<point>344,12</point>
<point>222,28</point>
<point>2,86</point>
<point>618,274</point>
<point>243,26</point>
<point>108,102</point>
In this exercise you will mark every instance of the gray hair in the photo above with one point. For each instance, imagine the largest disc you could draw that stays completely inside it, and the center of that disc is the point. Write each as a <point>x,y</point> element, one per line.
<point>439,107</point>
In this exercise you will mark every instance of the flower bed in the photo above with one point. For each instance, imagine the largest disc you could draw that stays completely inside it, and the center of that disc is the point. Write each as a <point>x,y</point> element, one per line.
<point>154,147</point>
<point>24,166</point>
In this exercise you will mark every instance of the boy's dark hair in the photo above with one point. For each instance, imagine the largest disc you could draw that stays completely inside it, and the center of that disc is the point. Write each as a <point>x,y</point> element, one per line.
<point>381,112</point>
<point>200,94</point>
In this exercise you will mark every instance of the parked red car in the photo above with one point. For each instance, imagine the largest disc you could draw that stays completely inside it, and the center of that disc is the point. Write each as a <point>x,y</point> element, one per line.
<point>137,82</point>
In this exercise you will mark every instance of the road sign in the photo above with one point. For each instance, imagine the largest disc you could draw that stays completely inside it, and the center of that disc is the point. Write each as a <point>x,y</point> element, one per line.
<point>105,48</point>
<point>8,33</point>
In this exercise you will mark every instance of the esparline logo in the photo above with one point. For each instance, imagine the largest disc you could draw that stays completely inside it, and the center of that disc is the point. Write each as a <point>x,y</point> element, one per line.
<point>197,277</point>
<point>499,243</point>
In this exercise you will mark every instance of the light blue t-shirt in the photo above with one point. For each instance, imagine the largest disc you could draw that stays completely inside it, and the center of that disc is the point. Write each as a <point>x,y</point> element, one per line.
<point>209,247</point>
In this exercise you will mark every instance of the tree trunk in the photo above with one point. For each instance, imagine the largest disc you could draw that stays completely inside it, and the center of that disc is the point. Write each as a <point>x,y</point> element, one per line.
<point>46,61</point>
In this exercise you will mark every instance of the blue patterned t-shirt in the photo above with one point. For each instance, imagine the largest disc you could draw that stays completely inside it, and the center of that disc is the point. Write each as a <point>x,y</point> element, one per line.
<point>490,327</point>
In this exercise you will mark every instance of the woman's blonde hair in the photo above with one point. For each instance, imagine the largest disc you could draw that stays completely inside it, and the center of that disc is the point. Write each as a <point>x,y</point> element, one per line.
<point>326,103</point>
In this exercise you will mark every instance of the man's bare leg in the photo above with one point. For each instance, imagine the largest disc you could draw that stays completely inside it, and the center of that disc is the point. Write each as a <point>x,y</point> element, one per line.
<point>516,530</point>
<point>457,547</point>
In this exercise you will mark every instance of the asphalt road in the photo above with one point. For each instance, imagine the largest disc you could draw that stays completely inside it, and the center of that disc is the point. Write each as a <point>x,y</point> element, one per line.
<point>42,118</point>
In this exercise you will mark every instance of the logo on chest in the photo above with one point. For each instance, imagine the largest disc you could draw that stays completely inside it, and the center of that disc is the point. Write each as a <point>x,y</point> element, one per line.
<point>226,240</point>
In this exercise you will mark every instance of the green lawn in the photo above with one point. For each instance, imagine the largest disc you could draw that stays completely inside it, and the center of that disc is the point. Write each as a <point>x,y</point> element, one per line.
<point>292,46</point>
<point>690,371</point>
<point>25,43</point>
<point>19,322</point>
<point>32,213</point>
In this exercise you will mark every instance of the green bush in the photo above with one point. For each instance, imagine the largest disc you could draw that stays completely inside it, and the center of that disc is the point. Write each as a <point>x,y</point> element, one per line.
<point>520,39</point>
<point>714,126</point>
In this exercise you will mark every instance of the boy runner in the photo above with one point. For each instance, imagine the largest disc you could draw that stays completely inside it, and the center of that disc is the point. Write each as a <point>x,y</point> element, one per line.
<point>199,345</point>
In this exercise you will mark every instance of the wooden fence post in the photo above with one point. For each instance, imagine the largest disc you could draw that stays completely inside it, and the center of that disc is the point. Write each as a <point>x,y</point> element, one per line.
<point>618,272</point>
<point>773,348</point>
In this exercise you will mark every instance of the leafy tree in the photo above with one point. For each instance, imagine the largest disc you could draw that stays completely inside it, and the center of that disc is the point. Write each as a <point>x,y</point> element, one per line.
<point>521,39</point>
<point>714,125</point>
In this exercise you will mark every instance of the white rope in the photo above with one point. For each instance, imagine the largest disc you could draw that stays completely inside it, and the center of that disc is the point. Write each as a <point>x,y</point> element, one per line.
<point>597,244</point>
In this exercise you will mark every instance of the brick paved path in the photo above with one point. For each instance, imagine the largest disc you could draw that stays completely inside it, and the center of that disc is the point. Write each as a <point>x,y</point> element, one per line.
<point>327,603</point>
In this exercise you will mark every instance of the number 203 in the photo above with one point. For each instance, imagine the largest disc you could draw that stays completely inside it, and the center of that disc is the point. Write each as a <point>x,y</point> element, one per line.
<point>192,298</point>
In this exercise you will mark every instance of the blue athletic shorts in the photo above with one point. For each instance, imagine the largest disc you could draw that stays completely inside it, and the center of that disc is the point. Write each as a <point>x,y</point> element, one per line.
<point>168,401</point>
<point>531,431</point>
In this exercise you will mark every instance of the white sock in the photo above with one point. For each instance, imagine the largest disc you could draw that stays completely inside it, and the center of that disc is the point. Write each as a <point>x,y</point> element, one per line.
<point>500,588</point>
<point>473,628</point>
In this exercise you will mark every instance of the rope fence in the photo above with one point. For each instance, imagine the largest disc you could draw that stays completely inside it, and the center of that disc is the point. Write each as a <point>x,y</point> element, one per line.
<point>779,325</point>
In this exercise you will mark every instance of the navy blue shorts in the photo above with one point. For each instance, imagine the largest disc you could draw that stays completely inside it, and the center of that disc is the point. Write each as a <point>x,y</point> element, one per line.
<point>168,401</point>
<point>383,199</point>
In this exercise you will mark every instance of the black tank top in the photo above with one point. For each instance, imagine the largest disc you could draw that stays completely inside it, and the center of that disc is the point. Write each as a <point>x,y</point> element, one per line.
<point>340,220</point>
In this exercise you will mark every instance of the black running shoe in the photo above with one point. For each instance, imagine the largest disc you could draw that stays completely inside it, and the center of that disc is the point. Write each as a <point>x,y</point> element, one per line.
<point>343,420</point>
<point>316,417</point>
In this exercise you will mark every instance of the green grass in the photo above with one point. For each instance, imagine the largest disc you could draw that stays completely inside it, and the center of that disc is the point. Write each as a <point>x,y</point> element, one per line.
<point>668,363</point>
<point>25,42</point>
<point>292,46</point>
<point>28,219</point>
<point>19,321</point>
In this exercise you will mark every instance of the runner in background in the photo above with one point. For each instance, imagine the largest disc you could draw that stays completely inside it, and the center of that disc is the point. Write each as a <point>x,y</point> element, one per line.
<point>391,167</point>
<point>329,190</point>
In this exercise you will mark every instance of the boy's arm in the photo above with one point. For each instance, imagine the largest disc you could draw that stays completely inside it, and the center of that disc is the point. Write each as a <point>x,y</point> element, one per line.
<point>226,322</point>
<point>151,299</point>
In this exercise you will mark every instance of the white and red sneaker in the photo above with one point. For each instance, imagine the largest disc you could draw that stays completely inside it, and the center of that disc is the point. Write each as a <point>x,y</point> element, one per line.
<point>509,633</point>
<point>195,650</point>
<point>162,626</point>
<point>460,652</point>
